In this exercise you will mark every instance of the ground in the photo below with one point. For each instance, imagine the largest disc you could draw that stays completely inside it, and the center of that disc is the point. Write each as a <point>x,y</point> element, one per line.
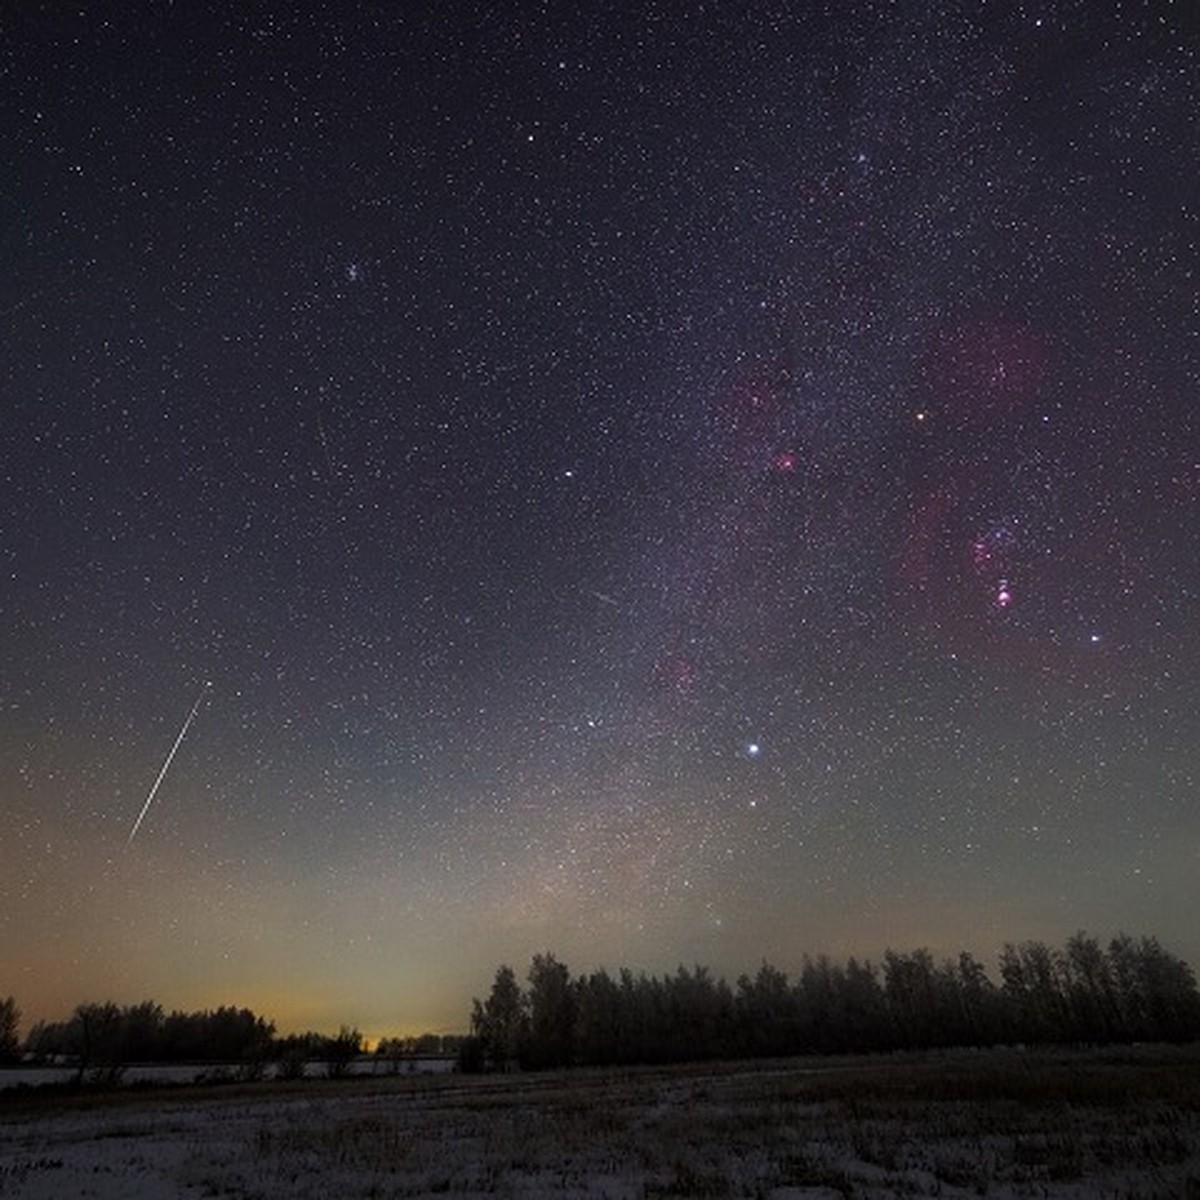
<point>998,1123</point>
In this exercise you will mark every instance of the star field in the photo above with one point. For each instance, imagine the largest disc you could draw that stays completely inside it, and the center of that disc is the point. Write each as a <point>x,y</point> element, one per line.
<point>668,483</point>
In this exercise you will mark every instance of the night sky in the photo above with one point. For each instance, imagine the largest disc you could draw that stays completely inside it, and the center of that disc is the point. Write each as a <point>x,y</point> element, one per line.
<point>662,483</point>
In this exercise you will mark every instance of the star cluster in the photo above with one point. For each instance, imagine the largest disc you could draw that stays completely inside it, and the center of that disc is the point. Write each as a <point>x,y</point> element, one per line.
<point>674,483</point>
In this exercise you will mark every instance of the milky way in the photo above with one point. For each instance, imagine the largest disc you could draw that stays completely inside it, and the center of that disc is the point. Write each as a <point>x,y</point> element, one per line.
<point>680,484</point>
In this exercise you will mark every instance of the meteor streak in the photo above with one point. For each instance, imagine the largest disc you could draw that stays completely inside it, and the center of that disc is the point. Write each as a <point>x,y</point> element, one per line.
<point>166,765</point>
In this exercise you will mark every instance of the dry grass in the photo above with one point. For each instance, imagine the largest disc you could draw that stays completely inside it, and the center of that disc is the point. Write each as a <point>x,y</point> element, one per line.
<point>1000,1124</point>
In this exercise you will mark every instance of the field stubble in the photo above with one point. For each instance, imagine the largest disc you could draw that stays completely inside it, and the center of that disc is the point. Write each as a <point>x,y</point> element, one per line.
<point>998,1123</point>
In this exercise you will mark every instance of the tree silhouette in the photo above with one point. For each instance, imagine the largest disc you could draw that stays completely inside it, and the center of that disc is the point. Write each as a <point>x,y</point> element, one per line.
<point>10,1017</point>
<point>99,1045</point>
<point>597,1019</point>
<point>1137,990</point>
<point>340,1051</point>
<point>502,1023</point>
<point>552,1008</point>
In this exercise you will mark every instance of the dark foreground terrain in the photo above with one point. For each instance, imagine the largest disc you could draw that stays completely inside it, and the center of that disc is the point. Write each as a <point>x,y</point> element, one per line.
<point>1004,1123</point>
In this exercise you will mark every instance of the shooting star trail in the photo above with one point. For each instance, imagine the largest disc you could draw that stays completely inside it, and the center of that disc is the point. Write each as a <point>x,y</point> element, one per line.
<point>167,764</point>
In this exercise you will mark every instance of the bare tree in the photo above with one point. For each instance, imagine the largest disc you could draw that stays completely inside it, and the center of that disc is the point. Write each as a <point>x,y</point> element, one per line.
<point>10,1018</point>
<point>99,1042</point>
<point>502,1023</point>
<point>341,1051</point>
<point>552,1012</point>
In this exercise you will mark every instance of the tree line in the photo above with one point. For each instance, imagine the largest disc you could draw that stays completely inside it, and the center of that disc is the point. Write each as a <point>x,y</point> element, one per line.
<point>1133,990</point>
<point>1130,990</point>
<point>100,1039</point>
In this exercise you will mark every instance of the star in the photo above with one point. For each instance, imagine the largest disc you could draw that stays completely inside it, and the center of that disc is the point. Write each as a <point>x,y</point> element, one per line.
<point>574,469</point>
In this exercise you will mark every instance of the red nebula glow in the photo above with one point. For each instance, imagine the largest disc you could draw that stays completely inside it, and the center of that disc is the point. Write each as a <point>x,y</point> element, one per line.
<point>675,673</point>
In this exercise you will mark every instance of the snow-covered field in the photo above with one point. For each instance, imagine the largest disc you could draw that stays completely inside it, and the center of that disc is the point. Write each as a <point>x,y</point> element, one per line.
<point>1000,1124</point>
<point>14,1077</point>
